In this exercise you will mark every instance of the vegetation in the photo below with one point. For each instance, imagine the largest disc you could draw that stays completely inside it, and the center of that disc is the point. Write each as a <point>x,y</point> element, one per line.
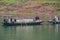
<point>13,2</point>
<point>4,4</point>
<point>22,1</point>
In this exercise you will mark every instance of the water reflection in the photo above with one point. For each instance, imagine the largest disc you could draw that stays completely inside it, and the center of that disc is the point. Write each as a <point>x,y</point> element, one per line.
<point>37,32</point>
<point>56,28</point>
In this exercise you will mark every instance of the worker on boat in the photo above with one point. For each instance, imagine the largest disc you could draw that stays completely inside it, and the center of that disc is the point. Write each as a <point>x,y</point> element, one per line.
<point>5,20</point>
<point>36,18</point>
<point>12,20</point>
<point>54,19</point>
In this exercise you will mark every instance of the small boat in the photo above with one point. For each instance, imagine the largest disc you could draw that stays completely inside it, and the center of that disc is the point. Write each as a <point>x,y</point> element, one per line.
<point>56,20</point>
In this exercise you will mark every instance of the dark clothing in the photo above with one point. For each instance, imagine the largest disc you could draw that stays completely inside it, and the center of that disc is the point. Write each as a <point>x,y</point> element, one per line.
<point>13,20</point>
<point>5,20</point>
<point>53,19</point>
<point>36,18</point>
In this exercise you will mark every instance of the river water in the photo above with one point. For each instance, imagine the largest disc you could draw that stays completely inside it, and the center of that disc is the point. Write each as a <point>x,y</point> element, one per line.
<point>37,32</point>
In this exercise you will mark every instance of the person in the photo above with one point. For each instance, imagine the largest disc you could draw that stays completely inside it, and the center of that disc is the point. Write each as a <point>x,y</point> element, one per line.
<point>5,20</point>
<point>14,20</point>
<point>36,18</point>
<point>11,19</point>
<point>54,20</point>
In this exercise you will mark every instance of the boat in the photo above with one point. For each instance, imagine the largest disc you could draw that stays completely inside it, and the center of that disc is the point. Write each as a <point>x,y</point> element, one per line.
<point>23,22</point>
<point>28,21</point>
<point>56,20</point>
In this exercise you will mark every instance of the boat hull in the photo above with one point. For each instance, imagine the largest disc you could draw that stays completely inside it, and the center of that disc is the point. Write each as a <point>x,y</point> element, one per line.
<point>54,22</point>
<point>16,24</point>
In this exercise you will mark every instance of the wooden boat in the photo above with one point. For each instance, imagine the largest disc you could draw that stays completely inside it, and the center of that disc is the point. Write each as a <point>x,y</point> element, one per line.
<point>22,22</point>
<point>56,20</point>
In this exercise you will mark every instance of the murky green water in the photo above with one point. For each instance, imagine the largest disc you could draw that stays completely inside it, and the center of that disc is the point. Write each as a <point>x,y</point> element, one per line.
<point>39,32</point>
